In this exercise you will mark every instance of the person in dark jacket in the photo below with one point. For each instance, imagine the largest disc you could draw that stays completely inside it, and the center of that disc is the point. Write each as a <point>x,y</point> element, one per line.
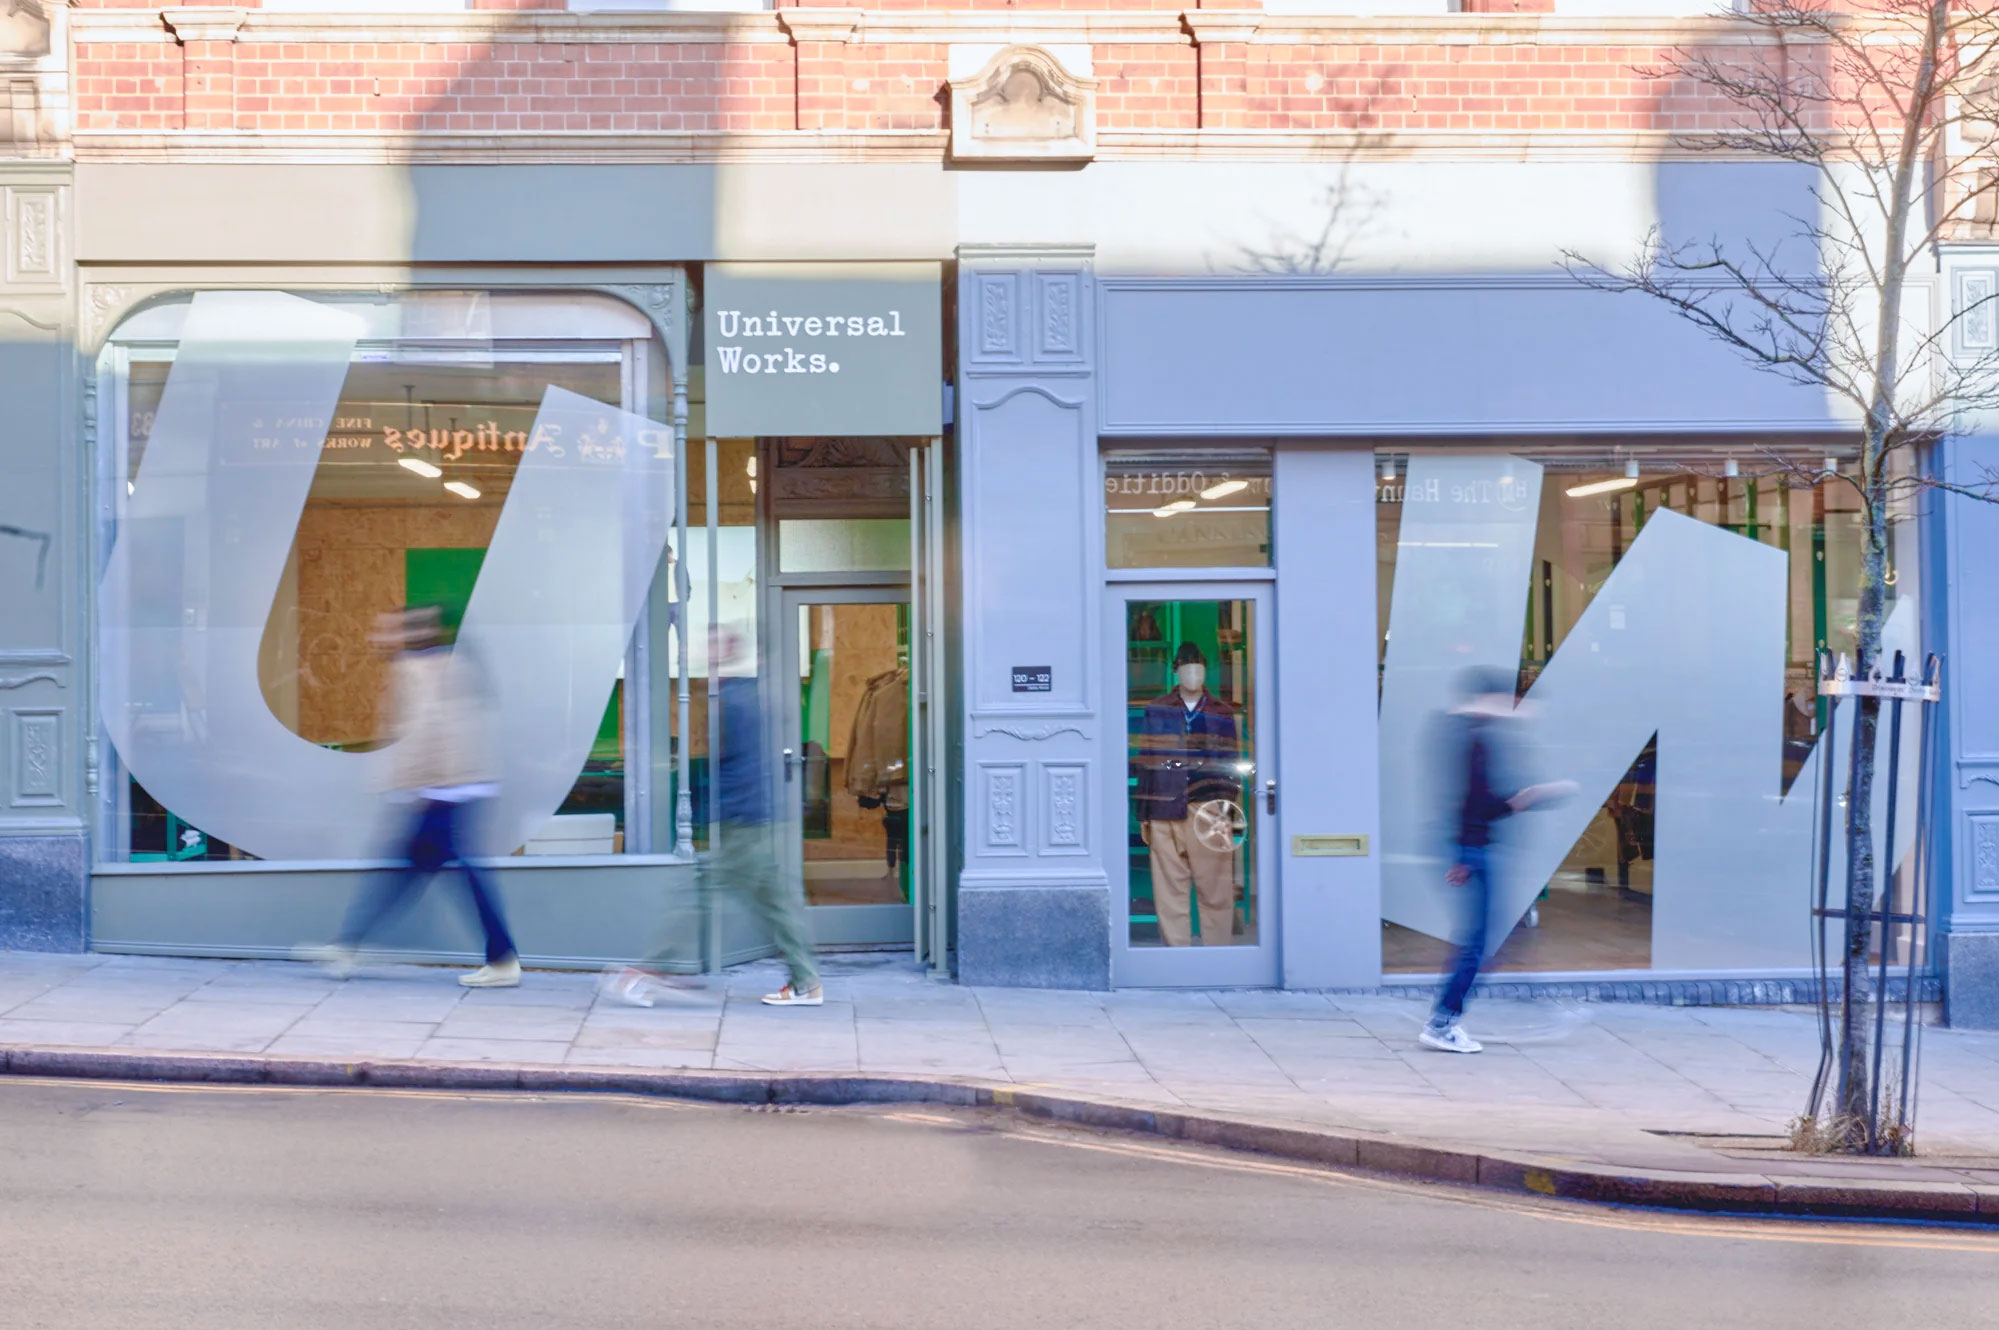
<point>745,856</point>
<point>1478,745</point>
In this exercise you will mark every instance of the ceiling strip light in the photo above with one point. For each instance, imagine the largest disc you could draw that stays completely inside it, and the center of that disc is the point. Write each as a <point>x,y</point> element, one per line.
<point>1602,487</point>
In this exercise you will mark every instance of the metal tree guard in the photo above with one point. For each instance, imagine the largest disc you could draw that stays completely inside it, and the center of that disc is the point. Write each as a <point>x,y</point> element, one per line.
<point>1885,1127</point>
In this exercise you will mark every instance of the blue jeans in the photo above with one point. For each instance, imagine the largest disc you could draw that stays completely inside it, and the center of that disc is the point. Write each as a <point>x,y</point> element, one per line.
<point>436,839</point>
<point>1478,906</point>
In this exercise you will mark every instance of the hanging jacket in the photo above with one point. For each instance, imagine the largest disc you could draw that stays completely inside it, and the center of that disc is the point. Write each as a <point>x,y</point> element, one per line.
<point>878,750</point>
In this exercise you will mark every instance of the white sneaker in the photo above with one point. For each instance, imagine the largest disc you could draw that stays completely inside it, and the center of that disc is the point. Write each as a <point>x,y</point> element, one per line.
<point>627,984</point>
<point>1451,1040</point>
<point>336,960</point>
<point>791,997</point>
<point>495,974</point>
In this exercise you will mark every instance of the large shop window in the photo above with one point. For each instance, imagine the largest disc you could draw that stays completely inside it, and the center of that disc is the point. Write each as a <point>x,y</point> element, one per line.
<point>277,471</point>
<point>1660,610</point>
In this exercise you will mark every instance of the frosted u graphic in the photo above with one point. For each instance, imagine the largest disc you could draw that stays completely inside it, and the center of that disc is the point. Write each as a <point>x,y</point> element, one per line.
<point>191,581</point>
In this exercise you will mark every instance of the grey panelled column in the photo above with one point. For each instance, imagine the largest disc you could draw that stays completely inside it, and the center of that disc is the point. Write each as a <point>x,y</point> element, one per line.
<point>44,701</point>
<point>1033,899</point>
<point>1967,885</point>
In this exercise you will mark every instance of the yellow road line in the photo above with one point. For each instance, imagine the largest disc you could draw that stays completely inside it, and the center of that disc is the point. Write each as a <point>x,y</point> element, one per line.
<point>1193,1156</point>
<point>1569,1212</point>
<point>399,1091</point>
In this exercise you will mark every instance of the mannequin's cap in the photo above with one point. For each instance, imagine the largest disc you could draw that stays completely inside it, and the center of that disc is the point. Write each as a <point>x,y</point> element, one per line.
<point>1189,654</point>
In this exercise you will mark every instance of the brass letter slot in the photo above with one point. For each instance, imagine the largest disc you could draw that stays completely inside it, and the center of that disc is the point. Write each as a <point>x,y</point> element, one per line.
<point>1329,845</point>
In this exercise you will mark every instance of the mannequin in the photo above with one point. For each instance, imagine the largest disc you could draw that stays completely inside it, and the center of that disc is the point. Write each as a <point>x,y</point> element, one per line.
<point>1186,761</point>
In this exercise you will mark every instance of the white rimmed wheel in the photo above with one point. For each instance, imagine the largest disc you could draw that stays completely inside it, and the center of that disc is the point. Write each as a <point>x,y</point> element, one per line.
<point>1220,824</point>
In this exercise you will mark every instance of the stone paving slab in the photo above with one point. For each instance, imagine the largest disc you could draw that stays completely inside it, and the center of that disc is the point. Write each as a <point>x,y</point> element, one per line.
<point>1562,1084</point>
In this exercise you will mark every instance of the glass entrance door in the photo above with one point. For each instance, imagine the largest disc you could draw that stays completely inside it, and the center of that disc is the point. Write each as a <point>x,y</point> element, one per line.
<point>846,742</point>
<point>1195,790</point>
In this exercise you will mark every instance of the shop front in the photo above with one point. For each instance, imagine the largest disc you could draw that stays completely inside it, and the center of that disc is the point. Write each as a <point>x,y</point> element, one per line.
<point>1296,544</point>
<point>614,536</point>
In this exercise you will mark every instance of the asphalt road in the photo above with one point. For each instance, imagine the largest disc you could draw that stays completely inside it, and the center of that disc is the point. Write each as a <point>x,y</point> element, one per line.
<point>138,1206</point>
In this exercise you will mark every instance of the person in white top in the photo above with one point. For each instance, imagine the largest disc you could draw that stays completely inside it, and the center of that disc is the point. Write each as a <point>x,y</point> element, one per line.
<point>442,764</point>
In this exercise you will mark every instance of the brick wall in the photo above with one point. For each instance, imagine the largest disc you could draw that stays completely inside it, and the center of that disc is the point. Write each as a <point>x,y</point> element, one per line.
<point>1207,68</point>
<point>1147,87</point>
<point>129,86</point>
<point>519,87</point>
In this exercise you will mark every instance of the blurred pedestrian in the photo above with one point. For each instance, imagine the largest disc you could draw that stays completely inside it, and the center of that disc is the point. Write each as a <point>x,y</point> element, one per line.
<point>1478,747</point>
<point>744,858</point>
<point>444,774</point>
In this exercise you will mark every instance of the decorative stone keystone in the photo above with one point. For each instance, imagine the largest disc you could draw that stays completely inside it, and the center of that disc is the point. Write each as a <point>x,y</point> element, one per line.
<point>1024,106</point>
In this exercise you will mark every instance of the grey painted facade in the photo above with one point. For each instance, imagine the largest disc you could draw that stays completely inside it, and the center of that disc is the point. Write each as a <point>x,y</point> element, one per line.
<point>1052,360</point>
<point>44,681</point>
<point>1321,367</point>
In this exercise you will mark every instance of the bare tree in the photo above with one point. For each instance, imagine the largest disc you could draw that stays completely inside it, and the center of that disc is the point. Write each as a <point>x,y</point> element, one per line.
<point>1885,103</point>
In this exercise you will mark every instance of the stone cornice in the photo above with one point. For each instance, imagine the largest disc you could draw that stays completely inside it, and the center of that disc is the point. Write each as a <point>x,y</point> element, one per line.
<point>1212,27</point>
<point>203,23</point>
<point>476,147</point>
<point>808,146</point>
<point>820,25</point>
<point>559,27</point>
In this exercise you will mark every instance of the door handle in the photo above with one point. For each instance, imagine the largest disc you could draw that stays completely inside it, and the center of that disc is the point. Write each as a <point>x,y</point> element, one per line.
<point>1270,796</point>
<point>790,761</point>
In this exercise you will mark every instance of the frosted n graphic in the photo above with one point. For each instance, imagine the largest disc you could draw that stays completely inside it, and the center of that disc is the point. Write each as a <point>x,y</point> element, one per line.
<point>1684,640</point>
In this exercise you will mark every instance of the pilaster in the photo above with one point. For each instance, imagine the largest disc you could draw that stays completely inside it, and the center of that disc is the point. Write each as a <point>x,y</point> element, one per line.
<point>1034,904</point>
<point>1965,550</point>
<point>207,39</point>
<point>44,698</point>
<point>820,38</point>
<point>1221,52</point>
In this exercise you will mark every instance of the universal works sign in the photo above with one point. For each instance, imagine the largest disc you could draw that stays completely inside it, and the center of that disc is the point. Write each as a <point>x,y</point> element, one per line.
<point>819,349</point>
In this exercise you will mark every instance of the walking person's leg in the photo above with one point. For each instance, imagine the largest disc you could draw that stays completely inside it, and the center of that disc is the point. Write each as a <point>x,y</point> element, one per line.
<point>747,859</point>
<point>1443,1031</point>
<point>388,894</point>
<point>680,923</point>
<point>503,967</point>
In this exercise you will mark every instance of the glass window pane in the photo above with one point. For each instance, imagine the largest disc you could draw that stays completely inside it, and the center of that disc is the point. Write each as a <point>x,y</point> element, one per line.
<point>1190,714</point>
<point>1659,617</point>
<point>1178,511</point>
<point>843,544</point>
<point>286,481</point>
<point>852,675</point>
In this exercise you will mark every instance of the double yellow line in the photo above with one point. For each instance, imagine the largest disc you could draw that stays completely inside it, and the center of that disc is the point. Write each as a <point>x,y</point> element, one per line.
<point>1821,1233</point>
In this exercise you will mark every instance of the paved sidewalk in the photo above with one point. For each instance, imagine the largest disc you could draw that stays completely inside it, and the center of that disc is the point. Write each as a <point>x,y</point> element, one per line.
<point>1593,1084</point>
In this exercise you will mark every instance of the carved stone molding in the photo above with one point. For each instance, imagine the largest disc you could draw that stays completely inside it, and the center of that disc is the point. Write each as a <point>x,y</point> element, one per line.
<point>37,767</point>
<point>24,30</point>
<point>1028,733</point>
<point>202,23</point>
<point>1004,796</point>
<point>819,25</point>
<point>103,305</point>
<point>1221,27</point>
<point>34,250</point>
<point>1983,880</point>
<point>1024,106</point>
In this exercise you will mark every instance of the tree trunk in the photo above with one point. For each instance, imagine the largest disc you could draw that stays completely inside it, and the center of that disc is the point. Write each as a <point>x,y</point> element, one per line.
<point>1856,1088</point>
<point>1853,1032</point>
